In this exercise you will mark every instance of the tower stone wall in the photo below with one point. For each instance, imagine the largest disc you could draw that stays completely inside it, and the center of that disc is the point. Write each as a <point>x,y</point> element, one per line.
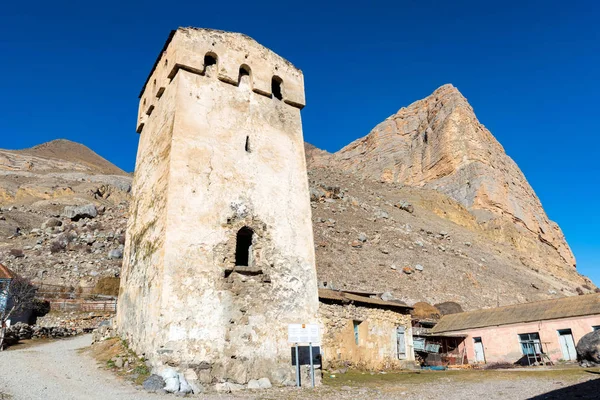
<point>220,172</point>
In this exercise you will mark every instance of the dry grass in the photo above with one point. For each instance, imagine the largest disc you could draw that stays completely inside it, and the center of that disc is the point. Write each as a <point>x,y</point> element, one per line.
<point>408,378</point>
<point>108,286</point>
<point>105,352</point>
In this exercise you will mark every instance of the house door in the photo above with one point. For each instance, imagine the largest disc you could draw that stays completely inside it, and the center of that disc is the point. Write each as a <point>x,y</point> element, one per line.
<point>567,344</point>
<point>478,347</point>
<point>401,342</point>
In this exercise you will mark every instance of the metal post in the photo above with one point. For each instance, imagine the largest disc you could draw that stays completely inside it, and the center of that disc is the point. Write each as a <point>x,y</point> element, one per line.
<point>297,367</point>
<point>312,365</point>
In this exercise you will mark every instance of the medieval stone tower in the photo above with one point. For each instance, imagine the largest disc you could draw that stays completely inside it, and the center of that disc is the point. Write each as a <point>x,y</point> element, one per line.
<point>219,256</point>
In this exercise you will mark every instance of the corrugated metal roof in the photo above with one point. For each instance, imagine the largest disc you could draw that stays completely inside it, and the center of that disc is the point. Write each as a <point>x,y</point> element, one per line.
<point>345,297</point>
<point>6,273</point>
<point>566,307</point>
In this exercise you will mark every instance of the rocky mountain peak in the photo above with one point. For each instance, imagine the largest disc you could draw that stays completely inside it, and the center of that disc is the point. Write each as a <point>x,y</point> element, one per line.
<point>438,143</point>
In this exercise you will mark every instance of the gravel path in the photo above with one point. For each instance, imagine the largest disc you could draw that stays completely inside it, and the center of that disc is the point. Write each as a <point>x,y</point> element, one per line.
<point>57,371</point>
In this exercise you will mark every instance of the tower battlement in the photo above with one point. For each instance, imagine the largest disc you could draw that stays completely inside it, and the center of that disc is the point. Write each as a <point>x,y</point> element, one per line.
<point>233,55</point>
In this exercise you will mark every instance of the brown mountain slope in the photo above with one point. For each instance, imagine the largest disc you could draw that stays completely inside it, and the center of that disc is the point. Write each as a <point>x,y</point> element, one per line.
<point>57,173</point>
<point>438,143</point>
<point>66,150</point>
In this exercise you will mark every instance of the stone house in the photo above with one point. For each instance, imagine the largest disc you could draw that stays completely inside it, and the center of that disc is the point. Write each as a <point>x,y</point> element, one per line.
<point>6,276</point>
<point>538,332</point>
<point>364,332</point>
<point>219,254</point>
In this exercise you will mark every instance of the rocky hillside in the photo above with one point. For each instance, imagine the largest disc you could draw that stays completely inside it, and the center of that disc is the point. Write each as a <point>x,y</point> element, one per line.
<point>427,206</point>
<point>39,236</point>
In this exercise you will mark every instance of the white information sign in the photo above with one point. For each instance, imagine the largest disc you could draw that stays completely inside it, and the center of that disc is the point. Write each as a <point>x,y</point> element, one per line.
<point>303,333</point>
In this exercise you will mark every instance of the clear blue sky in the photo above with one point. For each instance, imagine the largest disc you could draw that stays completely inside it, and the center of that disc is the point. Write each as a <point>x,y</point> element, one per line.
<point>529,68</point>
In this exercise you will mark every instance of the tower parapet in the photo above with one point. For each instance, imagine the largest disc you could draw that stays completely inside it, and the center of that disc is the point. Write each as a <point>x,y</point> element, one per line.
<point>233,54</point>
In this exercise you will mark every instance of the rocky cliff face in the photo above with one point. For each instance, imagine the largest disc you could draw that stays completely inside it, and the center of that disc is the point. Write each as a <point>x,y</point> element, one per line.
<point>438,143</point>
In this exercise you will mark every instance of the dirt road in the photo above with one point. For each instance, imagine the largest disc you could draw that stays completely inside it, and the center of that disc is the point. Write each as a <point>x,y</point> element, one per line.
<point>57,371</point>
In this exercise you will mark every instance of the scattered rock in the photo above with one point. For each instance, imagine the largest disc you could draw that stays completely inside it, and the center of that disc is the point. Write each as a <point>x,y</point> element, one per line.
<point>407,270</point>
<point>405,206</point>
<point>51,223</point>
<point>172,385</point>
<point>75,213</point>
<point>115,254</point>
<point>362,237</point>
<point>228,387</point>
<point>387,296</point>
<point>264,383</point>
<point>153,383</point>
<point>253,384</point>
<point>419,267</point>
<point>184,386</point>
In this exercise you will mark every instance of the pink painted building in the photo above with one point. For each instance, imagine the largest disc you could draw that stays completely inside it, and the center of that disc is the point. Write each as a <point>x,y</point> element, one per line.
<point>525,333</point>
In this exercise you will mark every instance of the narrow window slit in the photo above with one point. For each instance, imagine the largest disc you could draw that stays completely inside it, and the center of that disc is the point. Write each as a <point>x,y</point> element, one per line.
<point>276,87</point>
<point>243,247</point>
<point>247,147</point>
<point>210,64</point>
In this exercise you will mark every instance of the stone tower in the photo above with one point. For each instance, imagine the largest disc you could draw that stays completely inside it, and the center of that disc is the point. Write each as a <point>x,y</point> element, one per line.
<point>219,257</point>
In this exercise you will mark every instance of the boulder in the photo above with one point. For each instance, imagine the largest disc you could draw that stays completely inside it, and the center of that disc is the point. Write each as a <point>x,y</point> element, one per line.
<point>115,254</point>
<point>449,307</point>
<point>172,385</point>
<point>51,223</point>
<point>75,213</point>
<point>184,386</point>
<point>588,349</point>
<point>264,383</point>
<point>153,383</point>
<point>253,384</point>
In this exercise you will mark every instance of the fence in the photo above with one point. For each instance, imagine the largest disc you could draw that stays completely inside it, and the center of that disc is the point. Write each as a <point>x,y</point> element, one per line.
<point>84,305</point>
<point>46,291</point>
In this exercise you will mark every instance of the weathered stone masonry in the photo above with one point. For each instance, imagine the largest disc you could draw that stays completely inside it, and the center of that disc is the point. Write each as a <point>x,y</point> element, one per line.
<point>219,256</point>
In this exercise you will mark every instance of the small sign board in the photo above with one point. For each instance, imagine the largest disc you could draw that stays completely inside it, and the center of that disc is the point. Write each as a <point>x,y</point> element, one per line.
<point>303,333</point>
<point>304,355</point>
<point>419,344</point>
<point>432,348</point>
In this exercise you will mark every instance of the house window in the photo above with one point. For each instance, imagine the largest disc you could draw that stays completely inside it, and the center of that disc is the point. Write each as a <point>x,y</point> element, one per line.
<point>243,247</point>
<point>247,147</point>
<point>595,328</point>
<point>530,343</point>
<point>356,324</point>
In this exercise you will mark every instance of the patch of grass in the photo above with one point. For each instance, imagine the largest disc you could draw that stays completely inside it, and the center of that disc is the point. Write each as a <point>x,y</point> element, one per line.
<point>142,373</point>
<point>110,364</point>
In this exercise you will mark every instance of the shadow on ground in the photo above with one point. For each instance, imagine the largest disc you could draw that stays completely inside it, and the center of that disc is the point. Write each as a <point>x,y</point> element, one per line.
<point>585,390</point>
